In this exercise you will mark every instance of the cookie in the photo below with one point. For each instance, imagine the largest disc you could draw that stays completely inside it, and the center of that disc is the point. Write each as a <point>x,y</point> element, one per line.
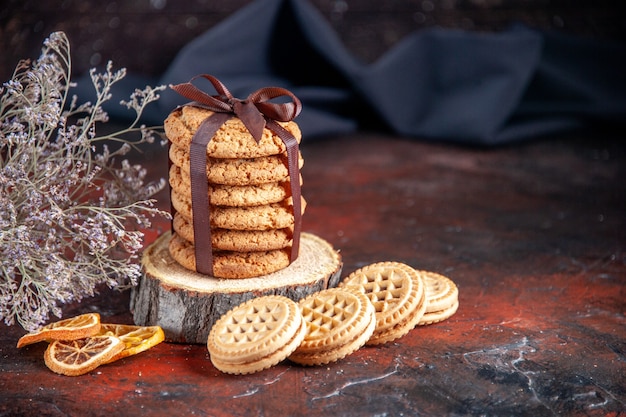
<point>439,316</point>
<point>237,171</point>
<point>442,297</point>
<point>234,195</point>
<point>237,240</point>
<point>232,139</point>
<point>265,217</point>
<point>397,293</point>
<point>441,291</point>
<point>233,265</point>
<point>338,323</point>
<point>256,335</point>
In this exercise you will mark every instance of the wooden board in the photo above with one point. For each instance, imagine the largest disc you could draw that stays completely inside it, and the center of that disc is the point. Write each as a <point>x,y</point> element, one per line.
<point>186,304</point>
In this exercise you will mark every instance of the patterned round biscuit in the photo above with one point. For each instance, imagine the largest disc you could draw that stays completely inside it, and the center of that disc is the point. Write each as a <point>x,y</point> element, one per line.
<point>237,171</point>
<point>248,331</point>
<point>265,217</point>
<point>256,334</point>
<point>438,316</point>
<point>335,319</point>
<point>233,195</point>
<point>331,316</point>
<point>441,291</point>
<point>395,289</point>
<point>232,265</point>
<point>401,328</point>
<point>237,240</point>
<point>325,356</point>
<point>263,363</point>
<point>232,139</point>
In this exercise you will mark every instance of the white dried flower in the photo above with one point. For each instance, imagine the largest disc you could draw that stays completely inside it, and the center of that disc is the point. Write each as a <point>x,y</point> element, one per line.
<point>70,217</point>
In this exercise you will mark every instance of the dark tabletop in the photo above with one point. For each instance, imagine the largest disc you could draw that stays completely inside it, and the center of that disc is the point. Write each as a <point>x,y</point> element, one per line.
<point>533,234</point>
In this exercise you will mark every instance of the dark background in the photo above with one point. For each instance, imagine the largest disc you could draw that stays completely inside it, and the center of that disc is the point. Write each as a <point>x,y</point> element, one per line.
<point>144,36</point>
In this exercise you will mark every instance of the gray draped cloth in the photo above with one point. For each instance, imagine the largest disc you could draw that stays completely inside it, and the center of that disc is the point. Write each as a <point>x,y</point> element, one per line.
<point>436,84</point>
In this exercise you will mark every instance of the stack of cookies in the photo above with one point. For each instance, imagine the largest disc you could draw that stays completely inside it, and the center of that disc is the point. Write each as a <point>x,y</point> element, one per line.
<point>251,209</point>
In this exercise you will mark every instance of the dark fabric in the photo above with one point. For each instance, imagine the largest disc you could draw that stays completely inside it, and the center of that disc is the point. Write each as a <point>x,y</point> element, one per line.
<point>436,84</point>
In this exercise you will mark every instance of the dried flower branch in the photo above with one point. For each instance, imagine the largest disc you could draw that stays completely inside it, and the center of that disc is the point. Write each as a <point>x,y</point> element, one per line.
<point>70,216</point>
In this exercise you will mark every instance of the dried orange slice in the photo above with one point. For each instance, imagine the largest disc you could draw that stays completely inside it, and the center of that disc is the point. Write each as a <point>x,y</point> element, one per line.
<point>77,357</point>
<point>136,338</point>
<point>72,328</point>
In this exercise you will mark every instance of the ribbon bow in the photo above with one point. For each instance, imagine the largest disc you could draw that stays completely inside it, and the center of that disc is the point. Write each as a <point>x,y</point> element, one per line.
<point>256,112</point>
<point>252,111</point>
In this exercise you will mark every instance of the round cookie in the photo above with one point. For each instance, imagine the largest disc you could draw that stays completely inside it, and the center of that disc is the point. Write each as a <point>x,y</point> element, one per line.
<point>256,335</point>
<point>265,217</point>
<point>237,171</point>
<point>231,264</point>
<point>441,291</point>
<point>232,139</point>
<point>441,315</point>
<point>397,293</point>
<point>237,240</point>
<point>338,321</point>
<point>233,195</point>
<point>442,297</point>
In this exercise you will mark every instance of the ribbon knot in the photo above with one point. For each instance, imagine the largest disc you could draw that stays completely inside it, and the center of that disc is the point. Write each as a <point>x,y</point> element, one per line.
<point>252,111</point>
